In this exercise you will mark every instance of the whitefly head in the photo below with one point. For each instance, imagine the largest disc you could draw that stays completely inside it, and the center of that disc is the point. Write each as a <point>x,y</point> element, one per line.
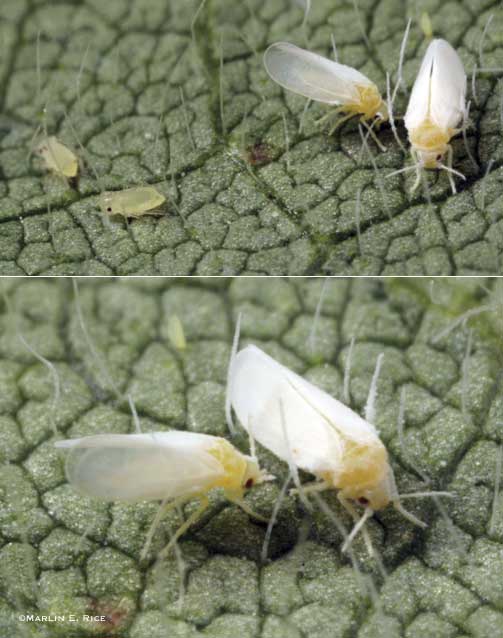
<point>253,474</point>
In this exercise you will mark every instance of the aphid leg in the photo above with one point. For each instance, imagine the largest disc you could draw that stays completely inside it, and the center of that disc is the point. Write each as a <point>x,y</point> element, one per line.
<point>204,504</point>
<point>466,123</point>
<point>274,517</point>
<point>359,523</point>
<point>391,116</point>
<point>372,134</point>
<point>406,514</point>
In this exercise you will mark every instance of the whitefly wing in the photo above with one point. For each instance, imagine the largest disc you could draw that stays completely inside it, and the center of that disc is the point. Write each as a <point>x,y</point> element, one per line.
<point>448,86</point>
<point>259,387</point>
<point>133,467</point>
<point>439,90</point>
<point>312,75</point>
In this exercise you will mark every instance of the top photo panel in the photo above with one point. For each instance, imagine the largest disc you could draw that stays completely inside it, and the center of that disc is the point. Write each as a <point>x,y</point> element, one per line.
<point>251,137</point>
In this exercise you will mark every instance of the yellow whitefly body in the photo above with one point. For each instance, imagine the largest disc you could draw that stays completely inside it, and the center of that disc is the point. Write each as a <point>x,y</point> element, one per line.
<point>132,202</point>
<point>437,104</point>
<point>57,157</point>
<point>324,80</point>
<point>302,424</point>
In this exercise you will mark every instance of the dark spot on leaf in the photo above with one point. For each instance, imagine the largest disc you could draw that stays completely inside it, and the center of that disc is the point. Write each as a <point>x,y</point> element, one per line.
<point>259,154</point>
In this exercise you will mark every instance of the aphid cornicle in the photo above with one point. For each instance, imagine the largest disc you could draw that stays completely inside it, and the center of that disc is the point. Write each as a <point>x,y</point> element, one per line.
<point>132,202</point>
<point>324,80</point>
<point>57,157</point>
<point>301,423</point>
<point>175,466</point>
<point>436,108</point>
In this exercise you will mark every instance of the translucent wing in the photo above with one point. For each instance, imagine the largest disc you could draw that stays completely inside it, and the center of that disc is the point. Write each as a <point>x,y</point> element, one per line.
<point>448,86</point>
<point>132,467</point>
<point>312,75</point>
<point>439,90</point>
<point>316,424</point>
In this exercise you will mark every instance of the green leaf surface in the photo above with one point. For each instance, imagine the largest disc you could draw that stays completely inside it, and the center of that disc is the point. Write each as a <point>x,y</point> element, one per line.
<point>61,553</point>
<point>174,94</point>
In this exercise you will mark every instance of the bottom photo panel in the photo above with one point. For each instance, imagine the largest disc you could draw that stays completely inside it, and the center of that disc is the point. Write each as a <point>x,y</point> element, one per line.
<point>252,457</point>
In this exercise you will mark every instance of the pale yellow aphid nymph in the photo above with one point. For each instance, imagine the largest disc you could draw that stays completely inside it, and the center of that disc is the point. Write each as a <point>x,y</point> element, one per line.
<point>174,466</point>
<point>324,80</point>
<point>132,202</point>
<point>313,431</point>
<point>57,157</point>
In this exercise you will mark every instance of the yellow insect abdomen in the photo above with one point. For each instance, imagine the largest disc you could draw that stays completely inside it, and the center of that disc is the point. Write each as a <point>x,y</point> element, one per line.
<point>370,102</point>
<point>234,465</point>
<point>363,467</point>
<point>429,137</point>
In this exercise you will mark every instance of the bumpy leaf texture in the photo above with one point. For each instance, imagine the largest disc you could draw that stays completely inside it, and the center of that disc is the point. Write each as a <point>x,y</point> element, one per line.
<point>175,94</point>
<point>61,553</point>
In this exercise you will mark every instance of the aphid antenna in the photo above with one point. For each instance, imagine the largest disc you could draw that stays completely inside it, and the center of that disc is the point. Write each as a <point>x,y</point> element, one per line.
<point>483,37</point>
<point>96,356</point>
<point>490,164</point>
<point>290,460</point>
<point>186,118</point>
<point>451,171</point>
<point>274,517</point>
<point>401,438</point>
<point>357,219</point>
<point>399,78</point>
<point>287,142</point>
<point>465,369</point>
<point>230,376</point>
<point>347,371</point>
<point>221,84</point>
<point>334,47</point>
<point>312,333</point>
<point>497,482</point>
<point>370,411</point>
<point>360,23</point>
<point>50,366</point>
<point>79,76</point>
<point>459,320</point>
<point>464,128</point>
<point>379,179</point>
<point>391,116</point>
<point>308,104</point>
<point>426,494</point>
